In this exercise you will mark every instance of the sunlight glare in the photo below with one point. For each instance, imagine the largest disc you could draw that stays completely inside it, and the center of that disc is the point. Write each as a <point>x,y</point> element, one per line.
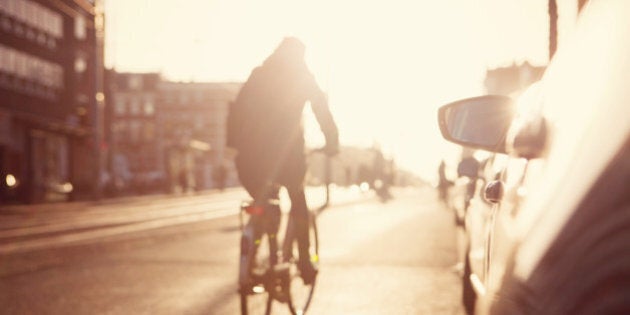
<point>386,66</point>
<point>364,186</point>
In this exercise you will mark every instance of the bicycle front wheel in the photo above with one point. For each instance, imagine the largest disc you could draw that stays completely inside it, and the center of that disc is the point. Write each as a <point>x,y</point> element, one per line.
<point>301,294</point>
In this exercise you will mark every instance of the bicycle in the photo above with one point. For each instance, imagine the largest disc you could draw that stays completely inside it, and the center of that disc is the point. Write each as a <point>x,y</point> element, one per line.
<point>265,273</point>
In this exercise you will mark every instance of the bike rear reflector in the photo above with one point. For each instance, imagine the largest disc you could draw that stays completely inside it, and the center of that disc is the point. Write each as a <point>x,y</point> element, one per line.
<point>255,210</point>
<point>258,289</point>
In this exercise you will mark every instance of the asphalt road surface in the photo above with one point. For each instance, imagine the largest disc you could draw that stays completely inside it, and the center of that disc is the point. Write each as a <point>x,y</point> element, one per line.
<point>397,257</point>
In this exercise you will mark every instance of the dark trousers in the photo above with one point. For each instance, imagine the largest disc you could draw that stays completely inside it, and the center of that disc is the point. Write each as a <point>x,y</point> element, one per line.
<point>263,182</point>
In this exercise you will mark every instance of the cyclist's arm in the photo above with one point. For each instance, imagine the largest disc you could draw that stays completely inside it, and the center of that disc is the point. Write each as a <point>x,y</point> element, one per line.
<point>319,105</point>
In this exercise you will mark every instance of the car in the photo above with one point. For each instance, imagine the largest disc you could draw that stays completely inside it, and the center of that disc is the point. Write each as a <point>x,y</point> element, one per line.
<point>466,185</point>
<point>550,231</point>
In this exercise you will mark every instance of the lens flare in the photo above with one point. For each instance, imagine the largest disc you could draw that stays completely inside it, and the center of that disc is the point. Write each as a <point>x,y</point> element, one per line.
<point>11,180</point>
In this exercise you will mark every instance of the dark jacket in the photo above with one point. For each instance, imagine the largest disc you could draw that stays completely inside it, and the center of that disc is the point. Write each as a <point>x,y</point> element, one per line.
<point>265,121</point>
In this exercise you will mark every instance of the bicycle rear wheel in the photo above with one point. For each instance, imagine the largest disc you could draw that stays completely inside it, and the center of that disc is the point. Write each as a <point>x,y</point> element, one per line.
<point>301,294</point>
<point>254,272</point>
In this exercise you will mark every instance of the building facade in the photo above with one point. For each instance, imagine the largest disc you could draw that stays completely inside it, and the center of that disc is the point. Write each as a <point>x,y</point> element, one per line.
<point>165,137</point>
<point>50,97</point>
<point>132,164</point>
<point>192,118</point>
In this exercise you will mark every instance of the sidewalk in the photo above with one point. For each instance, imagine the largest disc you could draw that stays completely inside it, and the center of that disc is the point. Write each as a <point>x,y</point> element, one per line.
<point>79,205</point>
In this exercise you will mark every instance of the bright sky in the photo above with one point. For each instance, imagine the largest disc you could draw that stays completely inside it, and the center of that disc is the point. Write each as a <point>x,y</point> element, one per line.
<point>386,65</point>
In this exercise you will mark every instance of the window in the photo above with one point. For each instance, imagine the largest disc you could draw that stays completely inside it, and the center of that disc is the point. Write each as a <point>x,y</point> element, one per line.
<point>34,69</point>
<point>47,75</point>
<point>30,16</point>
<point>134,82</point>
<point>4,59</point>
<point>30,68</point>
<point>11,7</point>
<point>184,99</point>
<point>169,97</point>
<point>119,108</point>
<point>79,27</point>
<point>48,21</point>
<point>58,76</point>
<point>134,131</point>
<point>149,131</point>
<point>20,65</point>
<point>41,17</point>
<point>199,96</point>
<point>20,9</point>
<point>134,107</point>
<point>9,62</point>
<point>199,122</point>
<point>57,26</point>
<point>120,131</point>
<point>80,64</point>
<point>37,16</point>
<point>149,107</point>
<point>6,24</point>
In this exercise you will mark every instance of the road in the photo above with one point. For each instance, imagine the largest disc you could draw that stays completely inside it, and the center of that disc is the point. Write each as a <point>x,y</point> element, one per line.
<point>126,258</point>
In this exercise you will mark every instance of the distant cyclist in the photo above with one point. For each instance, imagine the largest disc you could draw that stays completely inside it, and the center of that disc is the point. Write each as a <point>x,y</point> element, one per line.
<point>265,128</point>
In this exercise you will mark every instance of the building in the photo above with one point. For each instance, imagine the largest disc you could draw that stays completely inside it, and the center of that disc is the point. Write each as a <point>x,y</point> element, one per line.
<point>192,118</point>
<point>164,136</point>
<point>133,163</point>
<point>50,97</point>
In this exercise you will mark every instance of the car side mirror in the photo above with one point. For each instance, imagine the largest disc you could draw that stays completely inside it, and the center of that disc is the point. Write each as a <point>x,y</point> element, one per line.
<point>478,122</point>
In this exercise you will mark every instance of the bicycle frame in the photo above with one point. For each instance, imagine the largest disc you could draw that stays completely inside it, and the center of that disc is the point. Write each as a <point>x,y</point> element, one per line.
<point>276,279</point>
<point>260,223</point>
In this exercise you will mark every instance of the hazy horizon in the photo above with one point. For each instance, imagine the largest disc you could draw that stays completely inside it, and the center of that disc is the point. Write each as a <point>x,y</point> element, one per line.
<point>386,67</point>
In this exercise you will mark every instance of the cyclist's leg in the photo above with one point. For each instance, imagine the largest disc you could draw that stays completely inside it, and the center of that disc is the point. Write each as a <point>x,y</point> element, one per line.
<point>300,217</point>
<point>272,222</point>
<point>259,189</point>
<point>291,176</point>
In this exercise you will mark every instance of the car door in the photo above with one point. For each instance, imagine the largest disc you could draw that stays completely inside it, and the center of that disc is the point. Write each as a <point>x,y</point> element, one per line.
<point>479,221</point>
<point>502,223</point>
<point>516,176</point>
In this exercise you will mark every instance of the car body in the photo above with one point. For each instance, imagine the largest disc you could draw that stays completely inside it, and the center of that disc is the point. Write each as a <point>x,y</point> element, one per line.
<point>470,178</point>
<point>550,231</point>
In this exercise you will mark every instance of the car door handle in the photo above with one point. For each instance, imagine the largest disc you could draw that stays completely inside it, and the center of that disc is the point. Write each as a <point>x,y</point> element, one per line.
<point>494,191</point>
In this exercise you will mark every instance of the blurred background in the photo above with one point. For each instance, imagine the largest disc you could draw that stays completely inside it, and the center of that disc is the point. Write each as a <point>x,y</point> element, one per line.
<point>129,97</point>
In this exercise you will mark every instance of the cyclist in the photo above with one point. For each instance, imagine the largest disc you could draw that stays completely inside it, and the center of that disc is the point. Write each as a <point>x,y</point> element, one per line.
<point>265,128</point>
